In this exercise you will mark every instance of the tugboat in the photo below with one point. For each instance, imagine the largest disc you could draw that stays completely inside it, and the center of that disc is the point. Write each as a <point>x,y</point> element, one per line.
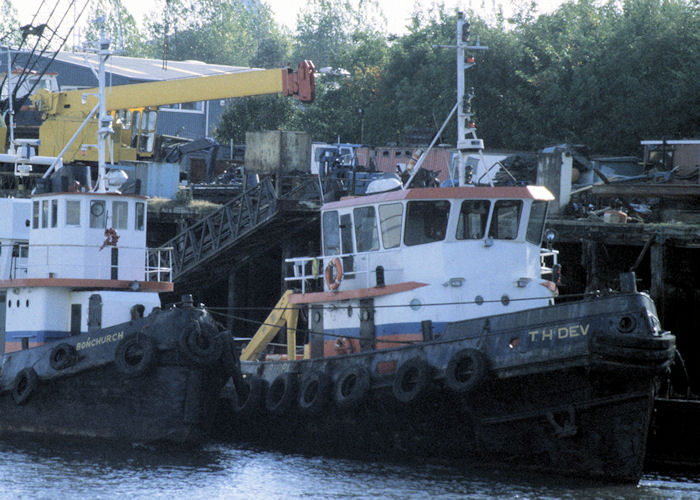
<point>86,349</point>
<point>438,333</point>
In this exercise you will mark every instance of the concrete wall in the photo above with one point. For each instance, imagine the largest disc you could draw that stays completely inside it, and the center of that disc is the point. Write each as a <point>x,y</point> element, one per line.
<point>269,150</point>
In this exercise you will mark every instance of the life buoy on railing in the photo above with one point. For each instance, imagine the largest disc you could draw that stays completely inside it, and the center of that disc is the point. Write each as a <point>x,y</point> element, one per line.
<point>334,273</point>
<point>112,238</point>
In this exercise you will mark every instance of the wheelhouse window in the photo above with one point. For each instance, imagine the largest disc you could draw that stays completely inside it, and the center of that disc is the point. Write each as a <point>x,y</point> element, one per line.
<point>366,234</point>
<point>426,221</point>
<point>72,213</point>
<point>535,224</point>
<point>54,213</point>
<point>35,215</point>
<point>473,216</point>
<point>97,214</point>
<point>44,213</point>
<point>331,233</point>
<point>120,214</point>
<point>140,214</point>
<point>390,217</point>
<point>506,219</point>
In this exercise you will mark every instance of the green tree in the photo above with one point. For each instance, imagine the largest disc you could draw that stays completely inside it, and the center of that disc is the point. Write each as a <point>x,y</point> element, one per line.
<point>230,32</point>
<point>120,27</point>
<point>266,112</point>
<point>9,26</point>
<point>346,42</point>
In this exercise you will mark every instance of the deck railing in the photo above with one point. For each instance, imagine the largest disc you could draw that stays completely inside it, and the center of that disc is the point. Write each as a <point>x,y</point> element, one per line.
<point>156,267</point>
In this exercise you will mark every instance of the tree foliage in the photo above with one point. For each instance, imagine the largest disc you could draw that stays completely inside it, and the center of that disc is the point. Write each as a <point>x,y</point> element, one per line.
<point>605,74</point>
<point>120,27</point>
<point>266,112</point>
<point>9,25</point>
<point>230,32</point>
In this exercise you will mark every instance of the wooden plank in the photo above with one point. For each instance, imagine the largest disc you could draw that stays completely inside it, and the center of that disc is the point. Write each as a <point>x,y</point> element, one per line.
<point>648,190</point>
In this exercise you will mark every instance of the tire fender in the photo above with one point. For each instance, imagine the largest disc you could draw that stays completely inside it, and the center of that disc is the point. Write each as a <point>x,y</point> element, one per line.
<point>282,393</point>
<point>62,356</point>
<point>314,393</point>
<point>25,383</point>
<point>411,380</point>
<point>465,370</point>
<point>201,343</point>
<point>135,355</point>
<point>352,386</point>
<point>250,397</point>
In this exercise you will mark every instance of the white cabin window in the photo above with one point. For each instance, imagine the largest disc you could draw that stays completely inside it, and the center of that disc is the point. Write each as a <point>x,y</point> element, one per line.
<point>506,219</point>
<point>140,213</point>
<point>366,234</point>
<point>120,214</point>
<point>54,213</point>
<point>45,213</point>
<point>472,219</point>
<point>535,224</point>
<point>426,221</point>
<point>97,214</point>
<point>390,218</point>
<point>35,215</point>
<point>331,233</point>
<point>72,213</point>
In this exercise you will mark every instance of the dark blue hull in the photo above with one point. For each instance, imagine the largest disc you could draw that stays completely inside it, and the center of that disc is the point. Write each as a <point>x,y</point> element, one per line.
<point>567,388</point>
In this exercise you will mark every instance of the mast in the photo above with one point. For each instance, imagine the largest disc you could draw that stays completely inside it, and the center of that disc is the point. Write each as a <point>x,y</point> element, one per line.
<point>467,141</point>
<point>465,119</point>
<point>105,129</point>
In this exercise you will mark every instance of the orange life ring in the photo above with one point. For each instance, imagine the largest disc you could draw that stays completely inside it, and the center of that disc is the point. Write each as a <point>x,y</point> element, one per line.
<point>334,273</point>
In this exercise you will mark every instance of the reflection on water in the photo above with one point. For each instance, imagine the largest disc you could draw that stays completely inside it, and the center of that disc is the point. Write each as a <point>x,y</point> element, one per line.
<point>75,470</point>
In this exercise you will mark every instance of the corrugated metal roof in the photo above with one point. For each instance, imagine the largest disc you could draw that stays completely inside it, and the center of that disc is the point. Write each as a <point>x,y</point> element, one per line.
<point>149,69</point>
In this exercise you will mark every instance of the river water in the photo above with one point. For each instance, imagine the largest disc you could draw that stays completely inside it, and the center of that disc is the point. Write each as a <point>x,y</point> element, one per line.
<point>68,470</point>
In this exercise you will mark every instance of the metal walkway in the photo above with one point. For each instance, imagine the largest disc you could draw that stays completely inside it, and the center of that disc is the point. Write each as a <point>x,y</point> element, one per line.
<point>241,224</point>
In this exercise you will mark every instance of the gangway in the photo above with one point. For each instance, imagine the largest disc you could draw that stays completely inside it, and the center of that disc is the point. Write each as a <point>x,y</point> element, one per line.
<point>253,218</point>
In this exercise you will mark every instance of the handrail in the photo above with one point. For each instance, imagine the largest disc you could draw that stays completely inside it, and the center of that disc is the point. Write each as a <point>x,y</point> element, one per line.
<point>219,230</point>
<point>157,265</point>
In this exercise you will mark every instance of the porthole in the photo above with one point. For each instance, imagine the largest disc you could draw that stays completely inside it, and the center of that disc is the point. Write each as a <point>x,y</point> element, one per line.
<point>505,300</point>
<point>478,300</point>
<point>17,302</point>
<point>26,303</point>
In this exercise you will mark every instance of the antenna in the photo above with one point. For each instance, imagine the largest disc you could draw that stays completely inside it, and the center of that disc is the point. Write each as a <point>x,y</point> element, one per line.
<point>166,28</point>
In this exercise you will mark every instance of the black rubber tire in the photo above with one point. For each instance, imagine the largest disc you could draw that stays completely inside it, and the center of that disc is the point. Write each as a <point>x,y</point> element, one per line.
<point>352,386</point>
<point>314,393</point>
<point>135,355</point>
<point>282,393</point>
<point>201,343</point>
<point>62,356</point>
<point>465,370</point>
<point>25,383</point>
<point>411,380</point>
<point>250,397</point>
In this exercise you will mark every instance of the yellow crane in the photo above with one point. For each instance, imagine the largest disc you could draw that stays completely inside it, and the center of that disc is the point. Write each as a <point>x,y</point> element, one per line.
<point>135,106</point>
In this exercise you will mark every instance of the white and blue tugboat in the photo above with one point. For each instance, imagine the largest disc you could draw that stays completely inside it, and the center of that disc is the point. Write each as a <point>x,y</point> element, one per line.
<point>86,349</point>
<point>437,333</point>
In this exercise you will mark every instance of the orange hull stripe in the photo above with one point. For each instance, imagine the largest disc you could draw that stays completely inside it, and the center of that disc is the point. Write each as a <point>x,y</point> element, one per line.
<point>358,293</point>
<point>144,286</point>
